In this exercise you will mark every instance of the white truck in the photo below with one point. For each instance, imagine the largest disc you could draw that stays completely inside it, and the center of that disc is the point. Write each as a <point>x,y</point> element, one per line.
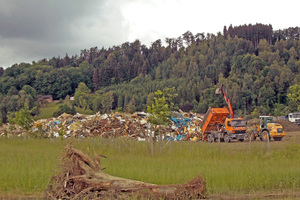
<point>294,117</point>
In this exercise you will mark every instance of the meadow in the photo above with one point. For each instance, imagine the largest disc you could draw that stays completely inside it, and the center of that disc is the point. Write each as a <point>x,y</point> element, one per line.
<point>27,164</point>
<point>47,110</point>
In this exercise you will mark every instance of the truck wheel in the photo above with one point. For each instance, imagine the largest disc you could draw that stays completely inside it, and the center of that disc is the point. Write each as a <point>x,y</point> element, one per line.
<point>241,140</point>
<point>277,138</point>
<point>265,136</point>
<point>260,137</point>
<point>210,138</point>
<point>226,138</point>
<point>251,136</point>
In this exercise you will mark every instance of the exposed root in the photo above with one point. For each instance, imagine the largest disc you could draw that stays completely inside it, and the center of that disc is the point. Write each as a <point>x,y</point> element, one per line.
<point>82,177</point>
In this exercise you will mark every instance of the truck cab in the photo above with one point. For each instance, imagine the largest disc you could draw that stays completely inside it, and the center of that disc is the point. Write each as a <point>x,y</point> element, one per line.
<point>236,128</point>
<point>294,117</point>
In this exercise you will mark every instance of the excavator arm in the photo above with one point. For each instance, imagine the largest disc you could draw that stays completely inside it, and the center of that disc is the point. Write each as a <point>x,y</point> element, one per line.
<point>222,90</point>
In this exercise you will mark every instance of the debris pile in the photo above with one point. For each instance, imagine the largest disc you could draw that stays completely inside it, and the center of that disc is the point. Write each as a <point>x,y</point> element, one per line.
<point>288,126</point>
<point>105,125</point>
<point>81,177</point>
<point>132,126</point>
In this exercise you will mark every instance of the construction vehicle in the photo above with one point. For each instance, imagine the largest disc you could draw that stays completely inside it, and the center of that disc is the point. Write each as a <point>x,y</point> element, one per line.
<point>294,117</point>
<point>217,125</point>
<point>267,129</point>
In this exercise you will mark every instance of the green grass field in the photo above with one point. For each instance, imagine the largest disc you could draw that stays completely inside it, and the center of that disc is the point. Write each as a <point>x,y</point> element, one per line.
<point>238,168</point>
<point>46,111</point>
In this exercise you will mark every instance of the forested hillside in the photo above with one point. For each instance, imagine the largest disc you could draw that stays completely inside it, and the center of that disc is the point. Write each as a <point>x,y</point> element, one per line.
<point>257,65</point>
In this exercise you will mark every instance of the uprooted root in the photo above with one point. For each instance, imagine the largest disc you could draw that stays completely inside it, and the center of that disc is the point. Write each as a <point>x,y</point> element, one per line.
<point>82,177</point>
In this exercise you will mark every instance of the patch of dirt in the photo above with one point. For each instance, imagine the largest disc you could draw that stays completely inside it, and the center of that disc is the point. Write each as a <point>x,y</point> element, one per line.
<point>258,196</point>
<point>288,126</point>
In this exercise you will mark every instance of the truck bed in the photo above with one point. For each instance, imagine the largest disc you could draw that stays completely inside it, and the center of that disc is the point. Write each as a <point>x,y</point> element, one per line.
<point>213,117</point>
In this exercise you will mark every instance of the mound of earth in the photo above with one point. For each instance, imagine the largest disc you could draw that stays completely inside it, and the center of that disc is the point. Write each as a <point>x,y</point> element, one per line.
<point>288,126</point>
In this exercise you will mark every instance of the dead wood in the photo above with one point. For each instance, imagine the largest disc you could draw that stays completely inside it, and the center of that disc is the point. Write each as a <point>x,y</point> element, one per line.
<point>82,177</point>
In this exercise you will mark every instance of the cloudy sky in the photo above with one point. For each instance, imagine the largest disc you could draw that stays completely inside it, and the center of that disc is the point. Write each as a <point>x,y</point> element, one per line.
<point>31,30</point>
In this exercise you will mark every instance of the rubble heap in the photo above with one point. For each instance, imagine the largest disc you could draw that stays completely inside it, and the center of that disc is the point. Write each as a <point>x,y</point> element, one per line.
<point>132,126</point>
<point>288,126</point>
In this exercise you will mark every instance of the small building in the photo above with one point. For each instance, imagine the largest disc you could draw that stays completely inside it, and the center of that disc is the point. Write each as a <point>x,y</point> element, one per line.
<point>47,98</point>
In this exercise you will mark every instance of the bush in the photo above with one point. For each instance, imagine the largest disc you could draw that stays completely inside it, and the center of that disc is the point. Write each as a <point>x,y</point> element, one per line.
<point>255,113</point>
<point>64,108</point>
<point>22,118</point>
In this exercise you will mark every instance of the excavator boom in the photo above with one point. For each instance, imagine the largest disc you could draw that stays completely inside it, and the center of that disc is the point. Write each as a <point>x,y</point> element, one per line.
<point>222,90</point>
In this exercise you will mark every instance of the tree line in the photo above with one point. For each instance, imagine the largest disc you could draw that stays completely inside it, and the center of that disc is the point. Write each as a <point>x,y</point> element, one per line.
<point>256,64</point>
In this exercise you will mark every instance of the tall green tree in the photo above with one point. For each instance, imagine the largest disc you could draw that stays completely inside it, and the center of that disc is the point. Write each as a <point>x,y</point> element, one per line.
<point>294,95</point>
<point>159,109</point>
<point>81,97</point>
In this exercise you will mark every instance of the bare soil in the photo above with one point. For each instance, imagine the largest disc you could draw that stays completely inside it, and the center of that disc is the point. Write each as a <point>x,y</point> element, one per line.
<point>275,195</point>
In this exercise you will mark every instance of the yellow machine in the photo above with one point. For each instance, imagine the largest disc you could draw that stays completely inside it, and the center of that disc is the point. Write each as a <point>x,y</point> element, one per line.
<point>267,129</point>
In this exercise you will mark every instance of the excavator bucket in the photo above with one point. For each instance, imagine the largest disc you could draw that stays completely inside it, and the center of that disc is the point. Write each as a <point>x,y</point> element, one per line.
<point>218,91</point>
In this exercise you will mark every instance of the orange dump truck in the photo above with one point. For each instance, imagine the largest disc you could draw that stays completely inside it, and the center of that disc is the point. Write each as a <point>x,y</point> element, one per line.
<point>216,125</point>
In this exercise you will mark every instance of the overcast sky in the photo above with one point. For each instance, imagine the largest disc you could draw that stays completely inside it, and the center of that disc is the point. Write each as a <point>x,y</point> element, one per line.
<point>31,30</point>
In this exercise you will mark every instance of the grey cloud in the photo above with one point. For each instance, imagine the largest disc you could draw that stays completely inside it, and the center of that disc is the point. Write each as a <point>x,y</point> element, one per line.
<point>38,19</point>
<point>31,29</point>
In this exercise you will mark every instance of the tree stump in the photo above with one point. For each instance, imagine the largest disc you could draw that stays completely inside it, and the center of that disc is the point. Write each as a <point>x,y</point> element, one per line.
<point>82,177</point>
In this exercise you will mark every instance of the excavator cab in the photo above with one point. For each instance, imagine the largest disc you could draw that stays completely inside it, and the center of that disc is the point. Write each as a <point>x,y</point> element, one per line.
<point>265,120</point>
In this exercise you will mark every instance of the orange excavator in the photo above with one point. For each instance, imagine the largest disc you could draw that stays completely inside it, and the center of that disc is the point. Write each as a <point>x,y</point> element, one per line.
<point>216,123</point>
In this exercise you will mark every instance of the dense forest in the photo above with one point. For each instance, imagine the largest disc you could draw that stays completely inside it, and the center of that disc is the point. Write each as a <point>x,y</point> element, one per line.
<point>257,65</point>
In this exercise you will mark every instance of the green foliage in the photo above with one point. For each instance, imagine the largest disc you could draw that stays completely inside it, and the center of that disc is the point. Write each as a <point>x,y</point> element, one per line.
<point>279,110</point>
<point>46,111</point>
<point>81,96</point>
<point>131,106</point>
<point>255,113</point>
<point>294,95</point>
<point>159,109</point>
<point>12,91</point>
<point>29,90</point>
<point>84,111</point>
<point>64,108</point>
<point>22,118</point>
<point>61,132</point>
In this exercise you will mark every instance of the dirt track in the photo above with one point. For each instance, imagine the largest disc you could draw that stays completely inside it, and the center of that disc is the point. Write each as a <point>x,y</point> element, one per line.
<point>291,137</point>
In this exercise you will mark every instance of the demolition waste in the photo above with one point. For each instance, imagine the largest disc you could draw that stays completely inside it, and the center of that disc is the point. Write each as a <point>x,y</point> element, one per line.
<point>183,126</point>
